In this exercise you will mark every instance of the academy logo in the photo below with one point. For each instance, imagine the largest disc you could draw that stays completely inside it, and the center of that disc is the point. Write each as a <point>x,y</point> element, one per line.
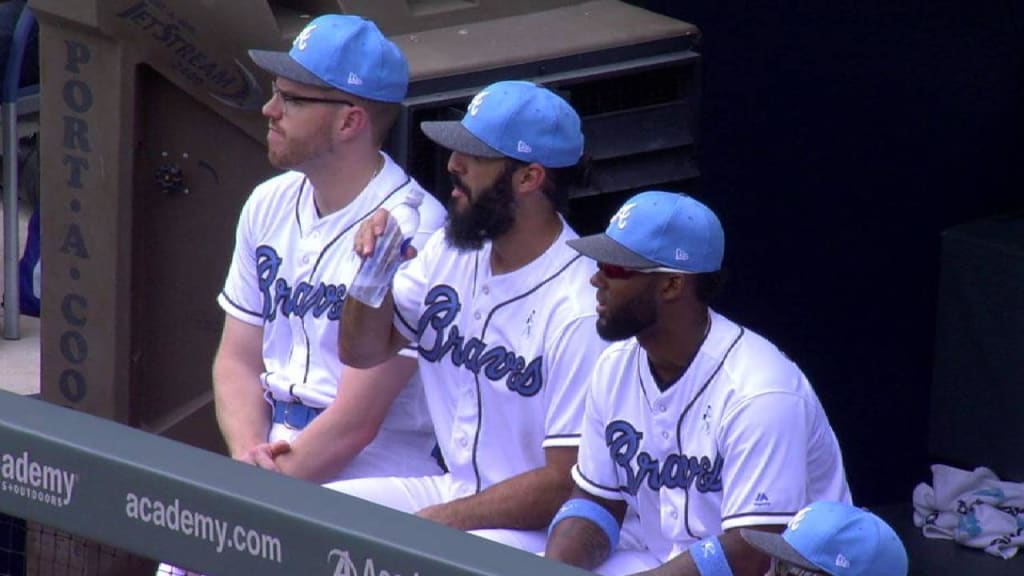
<point>23,476</point>
<point>344,566</point>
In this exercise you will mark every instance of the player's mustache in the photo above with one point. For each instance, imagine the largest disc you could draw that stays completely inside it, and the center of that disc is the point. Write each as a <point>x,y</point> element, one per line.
<point>458,183</point>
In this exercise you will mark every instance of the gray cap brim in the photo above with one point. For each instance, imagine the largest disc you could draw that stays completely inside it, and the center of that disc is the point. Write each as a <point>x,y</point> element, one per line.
<point>282,65</point>
<point>454,136</point>
<point>775,545</point>
<point>602,248</point>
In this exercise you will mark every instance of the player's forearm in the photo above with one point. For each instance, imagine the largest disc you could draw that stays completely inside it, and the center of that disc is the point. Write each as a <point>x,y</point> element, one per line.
<point>325,447</point>
<point>578,542</point>
<point>743,559</point>
<point>242,413</point>
<point>366,336</point>
<point>527,501</point>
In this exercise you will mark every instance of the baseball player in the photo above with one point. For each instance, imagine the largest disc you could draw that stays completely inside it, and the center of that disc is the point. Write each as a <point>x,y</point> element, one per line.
<point>284,400</point>
<point>499,308</point>
<point>697,424</point>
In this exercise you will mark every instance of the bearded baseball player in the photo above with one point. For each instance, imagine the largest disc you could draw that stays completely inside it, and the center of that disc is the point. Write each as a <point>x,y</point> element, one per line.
<point>499,308</point>
<point>697,424</point>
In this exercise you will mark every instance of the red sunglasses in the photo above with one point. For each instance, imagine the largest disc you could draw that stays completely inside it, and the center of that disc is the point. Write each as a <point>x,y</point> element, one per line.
<point>616,272</point>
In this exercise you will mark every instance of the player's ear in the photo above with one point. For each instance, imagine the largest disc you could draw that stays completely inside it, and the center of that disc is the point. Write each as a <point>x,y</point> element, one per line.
<point>673,286</point>
<point>529,177</point>
<point>352,120</point>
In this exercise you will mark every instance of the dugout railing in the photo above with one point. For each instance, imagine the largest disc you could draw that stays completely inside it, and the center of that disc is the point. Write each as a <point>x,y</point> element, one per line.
<point>158,498</point>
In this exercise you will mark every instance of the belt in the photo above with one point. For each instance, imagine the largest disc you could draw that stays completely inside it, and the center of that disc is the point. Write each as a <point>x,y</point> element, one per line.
<point>294,415</point>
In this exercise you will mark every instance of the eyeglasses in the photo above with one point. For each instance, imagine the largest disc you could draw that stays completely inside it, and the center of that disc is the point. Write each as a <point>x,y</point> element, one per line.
<point>289,99</point>
<point>616,272</point>
<point>783,568</point>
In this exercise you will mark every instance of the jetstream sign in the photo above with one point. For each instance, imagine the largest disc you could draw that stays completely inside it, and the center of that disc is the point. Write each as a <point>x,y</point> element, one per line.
<point>25,477</point>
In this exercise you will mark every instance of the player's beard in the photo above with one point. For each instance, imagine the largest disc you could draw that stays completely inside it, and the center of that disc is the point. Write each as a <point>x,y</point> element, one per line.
<point>629,319</point>
<point>293,153</point>
<point>486,215</point>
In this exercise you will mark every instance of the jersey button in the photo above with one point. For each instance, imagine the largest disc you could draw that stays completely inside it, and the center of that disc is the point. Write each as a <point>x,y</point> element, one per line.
<point>463,442</point>
<point>674,514</point>
<point>486,290</point>
<point>305,259</point>
<point>477,315</point>
<point>664,434</point>
<point>662,408</point>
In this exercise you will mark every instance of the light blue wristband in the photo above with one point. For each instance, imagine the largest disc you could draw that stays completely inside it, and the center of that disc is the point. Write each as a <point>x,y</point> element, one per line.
<point>583,508</point>
<point>709,557</point>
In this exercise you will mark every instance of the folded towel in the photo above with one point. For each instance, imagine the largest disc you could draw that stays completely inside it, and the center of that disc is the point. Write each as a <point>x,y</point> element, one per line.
<point>974,508</point>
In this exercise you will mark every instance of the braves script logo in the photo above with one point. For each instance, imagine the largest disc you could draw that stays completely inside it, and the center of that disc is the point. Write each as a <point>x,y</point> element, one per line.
<point>678,470</point>
<point>623,215</point>
<point>343,565</point>
<point>474,104</point>
<point>300,300</point>
<point>475,355</point>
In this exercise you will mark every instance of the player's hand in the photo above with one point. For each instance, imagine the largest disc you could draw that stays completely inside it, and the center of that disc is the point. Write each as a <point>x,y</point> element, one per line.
<point>264,454</point>
<point>370,230</point>
<point>442,514</point>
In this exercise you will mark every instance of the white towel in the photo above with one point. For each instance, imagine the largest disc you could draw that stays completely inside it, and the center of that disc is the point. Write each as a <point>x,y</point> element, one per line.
<point>974,508</point>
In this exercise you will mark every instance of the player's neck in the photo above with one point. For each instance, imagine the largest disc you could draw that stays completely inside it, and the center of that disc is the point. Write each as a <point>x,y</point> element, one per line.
<point>530,237</point>
<point>336,184</point>
<point>671,345</point>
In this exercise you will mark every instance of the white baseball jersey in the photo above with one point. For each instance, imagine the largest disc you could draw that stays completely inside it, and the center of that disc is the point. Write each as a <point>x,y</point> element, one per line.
<point>739,440</point>
<point>505,359</point>
<point>289,275</point>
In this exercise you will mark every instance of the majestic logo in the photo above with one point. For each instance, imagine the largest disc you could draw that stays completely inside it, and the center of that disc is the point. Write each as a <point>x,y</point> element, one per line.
<point>493,362</point>
<point>761,499</point>
<point>474,104</point>
<point>301,40</point>
<point>622,215</point>
<point>678,470</point>
<point>21,475</point>
<point>344,566</point>
<point>303,299</point>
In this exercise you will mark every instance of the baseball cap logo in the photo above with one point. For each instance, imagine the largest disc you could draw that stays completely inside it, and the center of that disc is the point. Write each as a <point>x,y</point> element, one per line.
<point>523,147</point>
<point>354,79</point>
<point>794,524</point>
<point>301,39</point>
<point>622,215</point>
<point>681,254</point>
<point>474,104</point>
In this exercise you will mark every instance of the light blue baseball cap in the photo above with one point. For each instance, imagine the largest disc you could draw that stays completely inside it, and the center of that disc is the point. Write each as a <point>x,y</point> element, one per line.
<point>659,229</point>
<point>837,538</point>
<point>344,52</point>
<point>517,119</point>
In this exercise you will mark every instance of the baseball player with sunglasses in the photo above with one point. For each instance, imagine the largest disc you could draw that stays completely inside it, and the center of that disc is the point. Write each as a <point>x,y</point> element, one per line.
<point>697,425</point>
<point>499,308</point>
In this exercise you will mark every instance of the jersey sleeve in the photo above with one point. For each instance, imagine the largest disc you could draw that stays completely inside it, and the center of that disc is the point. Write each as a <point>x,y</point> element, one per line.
<point>410,286</point>
<point>595,471</point>
<point>241,295</point>
<point>410,281</point>
<point>764,445</point>
<point>571,356</point>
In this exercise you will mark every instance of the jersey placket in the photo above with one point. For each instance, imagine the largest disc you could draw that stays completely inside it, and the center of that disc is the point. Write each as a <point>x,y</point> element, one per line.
<point>311,243</point>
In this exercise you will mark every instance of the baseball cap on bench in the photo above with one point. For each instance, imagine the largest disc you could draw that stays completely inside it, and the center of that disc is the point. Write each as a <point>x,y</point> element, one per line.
<point>344,52</point>
<point>659,229</point>
<point>837,538</point>
<point>517,119</point>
